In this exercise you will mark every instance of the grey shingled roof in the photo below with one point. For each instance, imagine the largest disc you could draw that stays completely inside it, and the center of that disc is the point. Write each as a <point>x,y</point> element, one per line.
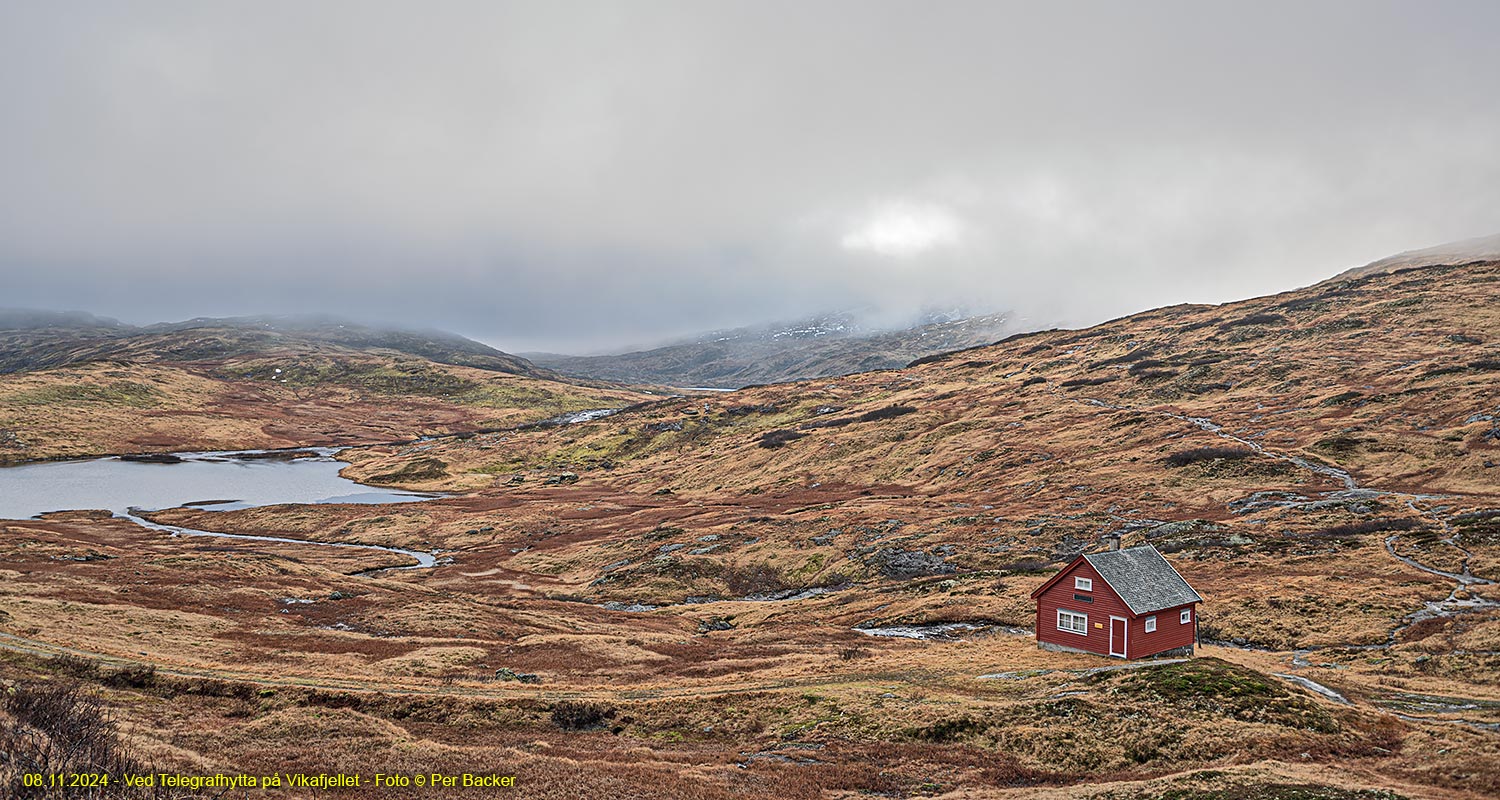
<point>1143,579</point>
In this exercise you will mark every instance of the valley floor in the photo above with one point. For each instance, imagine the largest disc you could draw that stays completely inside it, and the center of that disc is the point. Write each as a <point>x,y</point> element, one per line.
<point>267,657</point>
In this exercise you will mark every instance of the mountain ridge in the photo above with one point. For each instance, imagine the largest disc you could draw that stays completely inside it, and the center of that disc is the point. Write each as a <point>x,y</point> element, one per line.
<point>72,386</point>
<point>44,339</point>
<point>1479,248</point>
<point>817,347</point>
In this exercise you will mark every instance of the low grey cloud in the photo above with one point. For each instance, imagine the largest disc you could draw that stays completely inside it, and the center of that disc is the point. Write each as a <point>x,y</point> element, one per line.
<point>584,176</point>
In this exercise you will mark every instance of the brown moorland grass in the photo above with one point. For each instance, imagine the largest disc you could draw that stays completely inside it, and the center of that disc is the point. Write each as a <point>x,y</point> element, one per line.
<point>289,656</point>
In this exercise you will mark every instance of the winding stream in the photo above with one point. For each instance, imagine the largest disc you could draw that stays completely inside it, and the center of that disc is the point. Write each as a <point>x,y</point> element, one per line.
<point>1352,488</point>
<point>213,481</point>
<point>1460,600</point>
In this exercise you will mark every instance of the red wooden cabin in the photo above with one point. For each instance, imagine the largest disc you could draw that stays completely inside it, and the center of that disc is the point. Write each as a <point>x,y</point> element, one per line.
<point>1126,603</point>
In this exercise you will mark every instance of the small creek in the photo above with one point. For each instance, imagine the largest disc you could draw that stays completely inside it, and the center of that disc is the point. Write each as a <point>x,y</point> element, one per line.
<point>1314,686</point>
<point>938,631</point>
<point>1460,600</point>
<point>213,481</point>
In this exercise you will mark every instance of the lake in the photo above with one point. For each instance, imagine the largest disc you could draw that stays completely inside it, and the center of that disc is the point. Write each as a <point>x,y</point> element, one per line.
<point>200,478</point>
<point>213,481</point>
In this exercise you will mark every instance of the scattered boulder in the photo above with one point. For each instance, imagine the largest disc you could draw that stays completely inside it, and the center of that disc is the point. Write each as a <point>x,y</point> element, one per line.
<point>905,564</point>
<point>715,624</point>
<point>1181,527</point>
<point>634,608</point>
<point>508,674</point>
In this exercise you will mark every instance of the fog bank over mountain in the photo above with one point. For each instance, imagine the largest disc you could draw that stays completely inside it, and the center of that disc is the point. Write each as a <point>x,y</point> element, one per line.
<point>580,178</point>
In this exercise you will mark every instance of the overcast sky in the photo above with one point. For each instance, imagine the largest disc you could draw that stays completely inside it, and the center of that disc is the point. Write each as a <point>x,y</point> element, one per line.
<point>581,176</point>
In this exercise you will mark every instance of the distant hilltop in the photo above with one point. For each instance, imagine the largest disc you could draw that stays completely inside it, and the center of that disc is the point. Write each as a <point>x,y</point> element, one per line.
<point>26,319</point>
<point>39,339</point>
<point>818,347</point>
<point>1483,248</point>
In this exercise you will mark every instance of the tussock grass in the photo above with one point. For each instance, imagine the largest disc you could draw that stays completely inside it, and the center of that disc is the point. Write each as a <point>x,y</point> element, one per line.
<point>1183,458</point>
<point>1254,319</point>
<point>1218,688</point>
<point>772,440</point>
<point>61,728</point>
<point>571,715</point>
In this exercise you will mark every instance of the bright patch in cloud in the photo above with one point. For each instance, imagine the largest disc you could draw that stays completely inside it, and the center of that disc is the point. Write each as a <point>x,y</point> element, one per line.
<point>904,229</point>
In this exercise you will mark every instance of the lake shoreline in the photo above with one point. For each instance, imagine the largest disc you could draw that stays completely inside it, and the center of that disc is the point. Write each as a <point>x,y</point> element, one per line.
<point>253,478</point>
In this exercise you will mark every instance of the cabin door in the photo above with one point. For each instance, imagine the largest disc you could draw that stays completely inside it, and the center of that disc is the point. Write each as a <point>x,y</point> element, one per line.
<point>1117,636</point>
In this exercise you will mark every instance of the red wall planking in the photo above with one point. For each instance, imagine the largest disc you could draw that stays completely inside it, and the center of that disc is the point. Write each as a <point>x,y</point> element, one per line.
<point>1170,632</point>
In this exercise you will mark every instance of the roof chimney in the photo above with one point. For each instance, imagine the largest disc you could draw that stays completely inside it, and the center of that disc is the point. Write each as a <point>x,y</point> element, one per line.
<point>1114,542</point>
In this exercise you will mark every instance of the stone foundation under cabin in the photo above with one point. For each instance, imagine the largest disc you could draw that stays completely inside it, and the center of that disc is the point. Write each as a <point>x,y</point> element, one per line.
<point>1186,651</point>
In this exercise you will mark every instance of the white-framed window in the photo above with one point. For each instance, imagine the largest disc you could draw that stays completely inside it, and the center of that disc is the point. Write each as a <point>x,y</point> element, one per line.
<point>1150,624</point>
<point>1083,584</point>
<point>1073,622</point>
<point>1187,615</point>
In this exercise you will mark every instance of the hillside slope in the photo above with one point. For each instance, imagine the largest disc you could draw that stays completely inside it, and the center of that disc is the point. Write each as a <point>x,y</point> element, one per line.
<point>821,589</point>
<point>75,386</point>
<point>1270,442</point>
<point>1380,374</point>
<point>1482,248</point>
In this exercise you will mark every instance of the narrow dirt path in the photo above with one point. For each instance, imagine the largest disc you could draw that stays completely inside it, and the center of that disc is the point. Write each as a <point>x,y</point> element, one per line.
<point>1350,483</point>
<point>1453,605</point>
